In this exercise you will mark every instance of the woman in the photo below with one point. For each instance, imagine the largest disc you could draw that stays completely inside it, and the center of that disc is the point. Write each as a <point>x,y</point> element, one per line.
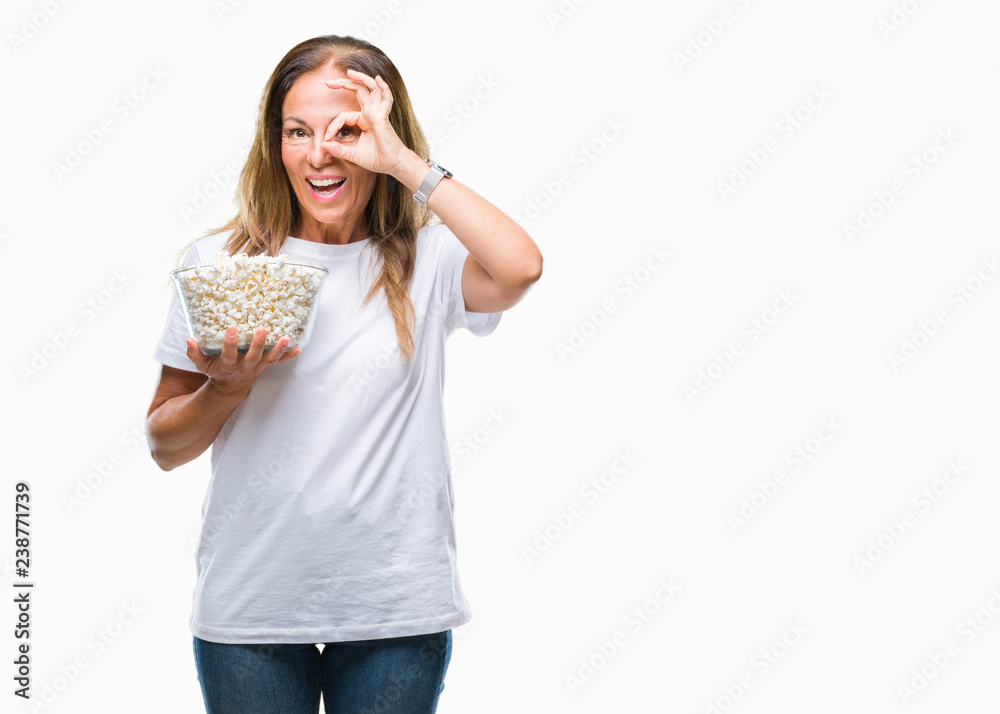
<point>328,516</point>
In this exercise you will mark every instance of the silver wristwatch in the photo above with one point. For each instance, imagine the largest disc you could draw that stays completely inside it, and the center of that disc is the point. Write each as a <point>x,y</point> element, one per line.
<point>430,182</point>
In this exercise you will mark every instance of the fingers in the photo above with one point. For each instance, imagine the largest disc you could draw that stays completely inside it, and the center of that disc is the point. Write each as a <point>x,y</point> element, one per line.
<point>195,354</point>
<point>355,81</point>
<point>378,92</point>
<point>365,86</point>
<point>336,125</point>
<point>253,354</point>
<point>385,96</point>
<point>351,118</point>
<point>287,354</point>
<point>277,350</point>
<point>291,354</point>
<point>281,353</point>
<point>229,351</point>
<point>366,80</point>
<point>358,88</point>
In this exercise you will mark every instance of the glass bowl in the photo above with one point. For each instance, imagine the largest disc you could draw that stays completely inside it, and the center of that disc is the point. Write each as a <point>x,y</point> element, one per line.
<point>281,297</point>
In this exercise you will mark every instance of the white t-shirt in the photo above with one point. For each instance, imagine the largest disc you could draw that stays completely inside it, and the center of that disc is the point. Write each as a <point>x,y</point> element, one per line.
<point>329,513</point>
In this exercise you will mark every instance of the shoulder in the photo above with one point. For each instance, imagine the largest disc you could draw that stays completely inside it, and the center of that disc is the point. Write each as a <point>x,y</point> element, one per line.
<point>207,247</point>
<point>429,242</point>
<point>435,239</point>
<point>204,249</point>
<point>431,234</point>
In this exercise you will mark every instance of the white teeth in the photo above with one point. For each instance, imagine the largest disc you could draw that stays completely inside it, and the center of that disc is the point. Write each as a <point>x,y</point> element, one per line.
<point>325,182</point>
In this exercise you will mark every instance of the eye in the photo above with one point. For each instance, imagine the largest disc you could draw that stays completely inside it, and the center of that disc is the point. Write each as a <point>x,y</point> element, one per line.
<point>296,133</point>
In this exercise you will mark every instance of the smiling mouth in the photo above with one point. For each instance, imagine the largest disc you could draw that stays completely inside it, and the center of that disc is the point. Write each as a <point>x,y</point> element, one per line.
<point>326,187</point>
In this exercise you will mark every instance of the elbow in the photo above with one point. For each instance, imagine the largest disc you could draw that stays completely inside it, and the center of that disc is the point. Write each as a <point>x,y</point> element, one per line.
<point>530,261</point>
<point>158,457</point>
<point>536,272</point>
<point>156,453</point>
<point>522,285</point>
<point>527,277</point>
<point>531,271</point>
<point>160,461</point>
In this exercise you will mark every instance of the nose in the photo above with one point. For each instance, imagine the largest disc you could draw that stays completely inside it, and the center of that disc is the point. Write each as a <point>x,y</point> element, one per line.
<point>318,156</point>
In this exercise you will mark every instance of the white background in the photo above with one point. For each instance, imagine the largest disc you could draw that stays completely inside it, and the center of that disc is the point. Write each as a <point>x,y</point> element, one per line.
<point>580,369</point>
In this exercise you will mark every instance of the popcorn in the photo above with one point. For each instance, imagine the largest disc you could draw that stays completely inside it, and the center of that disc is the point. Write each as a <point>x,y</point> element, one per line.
<point>249,293</point>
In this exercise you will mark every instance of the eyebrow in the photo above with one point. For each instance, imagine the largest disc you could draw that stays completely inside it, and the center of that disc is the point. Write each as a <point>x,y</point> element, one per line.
<point>294,119</point>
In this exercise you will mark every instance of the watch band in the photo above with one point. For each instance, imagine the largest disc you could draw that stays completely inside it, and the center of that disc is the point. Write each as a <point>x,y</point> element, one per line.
<point>434,175</point>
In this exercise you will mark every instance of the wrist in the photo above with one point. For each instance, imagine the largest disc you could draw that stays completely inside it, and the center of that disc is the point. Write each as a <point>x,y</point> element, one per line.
<point>226,392</point>
<point>411,170</point>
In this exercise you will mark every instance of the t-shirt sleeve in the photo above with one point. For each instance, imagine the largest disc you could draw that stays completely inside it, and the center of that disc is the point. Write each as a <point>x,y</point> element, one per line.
<point>452,263</point>
<point>171,350</point>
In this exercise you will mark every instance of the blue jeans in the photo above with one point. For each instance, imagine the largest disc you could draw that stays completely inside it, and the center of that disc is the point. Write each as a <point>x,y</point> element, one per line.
<point>402,675</point>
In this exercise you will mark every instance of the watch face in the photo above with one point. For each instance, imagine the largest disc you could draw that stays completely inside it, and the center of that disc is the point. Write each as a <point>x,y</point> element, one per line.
<point>442,169</point>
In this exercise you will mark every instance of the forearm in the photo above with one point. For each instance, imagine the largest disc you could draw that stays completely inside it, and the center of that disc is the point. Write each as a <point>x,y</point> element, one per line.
<point>492,237</point>
<point>183,427</point>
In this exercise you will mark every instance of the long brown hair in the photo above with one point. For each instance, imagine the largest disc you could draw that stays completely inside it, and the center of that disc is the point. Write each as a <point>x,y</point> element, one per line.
<point>268,210</point>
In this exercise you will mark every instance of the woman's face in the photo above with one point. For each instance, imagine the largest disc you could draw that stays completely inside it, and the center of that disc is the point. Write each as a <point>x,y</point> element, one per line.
<point>309,107</point>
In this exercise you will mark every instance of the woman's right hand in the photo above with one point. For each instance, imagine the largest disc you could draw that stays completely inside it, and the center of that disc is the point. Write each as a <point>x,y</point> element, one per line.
<point>235,372</point>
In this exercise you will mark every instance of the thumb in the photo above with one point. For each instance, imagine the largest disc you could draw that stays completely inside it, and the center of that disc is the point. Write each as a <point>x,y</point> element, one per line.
<point>194,354</point>
<point>335,149</point>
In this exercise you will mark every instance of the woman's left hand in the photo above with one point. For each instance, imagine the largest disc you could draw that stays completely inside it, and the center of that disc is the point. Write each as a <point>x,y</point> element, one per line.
<point>378,148</point>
